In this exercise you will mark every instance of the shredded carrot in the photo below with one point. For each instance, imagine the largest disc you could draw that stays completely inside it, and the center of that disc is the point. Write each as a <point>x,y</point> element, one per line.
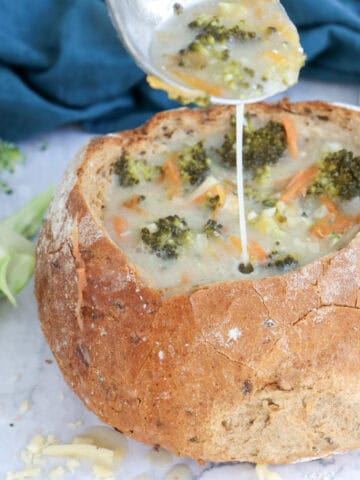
<point>329,204</point>
<point>171,176</point>
<point>198,83</point>
<point>299,184</point>
<point>236,242</point>
<point>257,251</point>
<point>291,136</point>
<point>331,223</point>
<point>133,203</point>
<point>120,225</point>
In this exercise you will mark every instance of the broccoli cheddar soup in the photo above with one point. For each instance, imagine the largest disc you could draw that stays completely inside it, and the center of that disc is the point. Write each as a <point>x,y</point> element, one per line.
<point>231,50</point>
<point>173,208</point>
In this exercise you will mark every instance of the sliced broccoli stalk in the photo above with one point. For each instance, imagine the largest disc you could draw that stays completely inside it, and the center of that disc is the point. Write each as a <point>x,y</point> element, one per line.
<point>17,253</point>
<point>261,147</point>
<point>194,164</point>
<point>132,171</point>
<point>167,236</point>
<point>10,157</point>
<point>212,229</point>
<point>339,176</point>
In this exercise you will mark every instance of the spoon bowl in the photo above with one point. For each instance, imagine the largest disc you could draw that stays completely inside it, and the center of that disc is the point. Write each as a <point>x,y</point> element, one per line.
<point>136,22</point>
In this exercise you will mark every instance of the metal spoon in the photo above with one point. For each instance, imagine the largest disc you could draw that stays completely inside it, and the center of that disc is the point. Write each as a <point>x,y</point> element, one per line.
<point>136,22</point>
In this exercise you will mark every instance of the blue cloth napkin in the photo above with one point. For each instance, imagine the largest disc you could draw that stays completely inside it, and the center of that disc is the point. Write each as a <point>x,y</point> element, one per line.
<point>61,62</point>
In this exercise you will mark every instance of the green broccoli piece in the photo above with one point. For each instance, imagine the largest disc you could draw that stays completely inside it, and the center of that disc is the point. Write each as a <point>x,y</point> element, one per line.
<point>212,201</point>
<point>227,152</point>
<point>10,157</point>
<point>212,229</point>
<point>17,252</point>
<point>284,262</point>
<point>212,26</point>
<point>261,147</point>
<point>339,176</point>
<point>211,42</point>
<point>132,171</point>
<point>194,164</point>
<point>168,237</point>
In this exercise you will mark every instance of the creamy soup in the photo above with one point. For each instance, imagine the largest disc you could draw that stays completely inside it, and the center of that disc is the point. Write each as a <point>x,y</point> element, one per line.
<point>175,214</point>
<point>234,50</point>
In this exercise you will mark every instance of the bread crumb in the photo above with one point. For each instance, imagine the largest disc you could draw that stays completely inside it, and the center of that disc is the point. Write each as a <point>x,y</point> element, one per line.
<point>179,472</point>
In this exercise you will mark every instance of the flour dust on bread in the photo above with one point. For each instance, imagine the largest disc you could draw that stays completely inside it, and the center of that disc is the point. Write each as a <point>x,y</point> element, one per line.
<point>227,365</point>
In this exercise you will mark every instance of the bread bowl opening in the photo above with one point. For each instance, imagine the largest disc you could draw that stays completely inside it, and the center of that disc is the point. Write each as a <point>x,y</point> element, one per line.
<point>172,204</point>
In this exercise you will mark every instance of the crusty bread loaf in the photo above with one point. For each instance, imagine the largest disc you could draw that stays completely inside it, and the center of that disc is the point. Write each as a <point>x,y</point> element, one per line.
<point>162,368</point>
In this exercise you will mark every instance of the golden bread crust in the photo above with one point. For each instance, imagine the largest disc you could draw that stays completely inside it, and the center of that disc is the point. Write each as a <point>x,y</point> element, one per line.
<point>165,369</point>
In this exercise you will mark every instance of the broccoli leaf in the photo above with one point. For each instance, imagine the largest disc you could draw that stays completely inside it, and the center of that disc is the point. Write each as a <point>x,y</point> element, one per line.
<point>17,252</point>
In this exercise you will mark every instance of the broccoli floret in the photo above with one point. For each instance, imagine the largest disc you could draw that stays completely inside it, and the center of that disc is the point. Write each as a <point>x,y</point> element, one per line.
<point>246,268</point>
<point>167,237</point>
<point>213,27</point>
<point>285,262</point>
<point>227,152</point>
<point>212,201</point>
<point>212,229</point>
<point>211,42</point>
<point>261,147</point>
<point>339,176</point>
<point>194,164</point>
<point>132,171</point>
<point>10,157</point>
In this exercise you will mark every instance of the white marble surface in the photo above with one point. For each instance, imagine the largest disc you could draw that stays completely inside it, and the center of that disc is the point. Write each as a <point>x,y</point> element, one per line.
<point>25,374</point>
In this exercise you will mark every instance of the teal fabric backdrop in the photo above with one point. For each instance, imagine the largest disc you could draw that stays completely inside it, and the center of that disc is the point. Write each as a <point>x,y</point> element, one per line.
<point>61,62</point>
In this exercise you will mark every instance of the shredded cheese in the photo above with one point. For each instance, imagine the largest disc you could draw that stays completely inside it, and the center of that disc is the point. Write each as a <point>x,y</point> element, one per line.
<point>90,452</point>
<point>264,473</point>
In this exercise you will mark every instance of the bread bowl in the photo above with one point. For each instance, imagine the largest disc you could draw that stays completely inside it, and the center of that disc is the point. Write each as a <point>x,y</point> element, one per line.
<point>254,369</point>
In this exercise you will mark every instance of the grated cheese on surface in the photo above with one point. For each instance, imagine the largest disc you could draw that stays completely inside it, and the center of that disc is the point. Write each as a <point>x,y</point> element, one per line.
<point>25,474</point>
<point>264,473</point>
